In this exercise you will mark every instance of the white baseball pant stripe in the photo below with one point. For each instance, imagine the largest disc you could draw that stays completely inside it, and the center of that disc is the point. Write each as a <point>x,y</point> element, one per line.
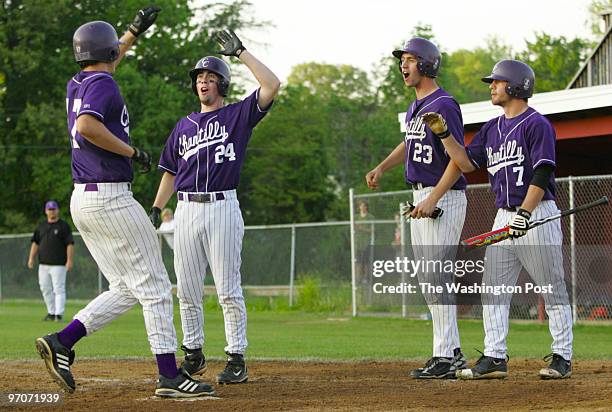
<point>52,282</point>
<point>210,234</point>
<point>123,242</point>
<point>443,231</point>
<point>540,253</point>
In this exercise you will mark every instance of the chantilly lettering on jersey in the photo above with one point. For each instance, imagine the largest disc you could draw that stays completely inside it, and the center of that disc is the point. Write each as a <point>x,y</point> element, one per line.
<point>213,133</point>
<point>509,153</point>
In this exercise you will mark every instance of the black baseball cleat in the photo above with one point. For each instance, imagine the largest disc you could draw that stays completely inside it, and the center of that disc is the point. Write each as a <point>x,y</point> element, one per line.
<point>435,368</point>
<point>58,359</point>
<point>183,386</point>
<point>194,363</point>
<point>459,360</point>
<point>486,367</point>
<point>49,317</point>
<point>559,367</point>
<point>59,318</point>
<point>235,370</point>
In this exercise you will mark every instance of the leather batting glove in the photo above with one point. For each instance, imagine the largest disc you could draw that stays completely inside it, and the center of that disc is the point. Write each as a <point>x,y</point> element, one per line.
<point>232,46</point>
<point>143,159</point>
<point>519,225</point>
<point>143,20</point>
<point>437,124</point>
<point>155,216</point>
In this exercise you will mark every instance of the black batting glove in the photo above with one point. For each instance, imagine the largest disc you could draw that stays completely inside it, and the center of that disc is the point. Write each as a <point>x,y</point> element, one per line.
<point>232,46</point>
<point>155,216</point>
<point>519,225</point>
<point>143,159</point>
<point>143,20</point>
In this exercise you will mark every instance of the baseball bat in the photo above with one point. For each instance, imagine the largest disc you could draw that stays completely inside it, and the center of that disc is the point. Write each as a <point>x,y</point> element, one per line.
<point>498,235</point>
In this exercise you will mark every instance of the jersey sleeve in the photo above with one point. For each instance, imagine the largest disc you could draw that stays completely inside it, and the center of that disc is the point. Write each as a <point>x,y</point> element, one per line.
<point>250,110</point>
<point>168,158</point>
<point>36,236</point>
<point>476,149</point>
<point>97,96</point>
<point>542,140</point>
<point>68,239</point>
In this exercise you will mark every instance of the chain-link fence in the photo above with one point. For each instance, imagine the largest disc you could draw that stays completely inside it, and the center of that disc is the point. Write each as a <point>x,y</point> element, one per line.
<point>379,234</point>
<point>276,261</point>
<point>325,263</point>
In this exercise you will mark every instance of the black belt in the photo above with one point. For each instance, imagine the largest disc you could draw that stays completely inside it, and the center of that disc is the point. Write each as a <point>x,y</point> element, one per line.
<point>512,209</point>
<point>418,186</point>
<point>201,197</point>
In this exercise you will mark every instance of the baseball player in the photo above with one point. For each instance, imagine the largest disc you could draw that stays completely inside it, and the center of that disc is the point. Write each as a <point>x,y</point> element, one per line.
<point>518,150</point>
<point>201,161</point>
<point>115,228</point>
<point>425,162</point>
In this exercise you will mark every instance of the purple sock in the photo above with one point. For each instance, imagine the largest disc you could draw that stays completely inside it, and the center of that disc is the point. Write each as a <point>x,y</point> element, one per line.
<point>166,363</point>
<point>72,333</point>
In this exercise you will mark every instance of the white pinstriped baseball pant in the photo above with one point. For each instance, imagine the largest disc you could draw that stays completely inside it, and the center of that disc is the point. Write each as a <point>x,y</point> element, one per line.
<point>123,242</point>
<point>444,231</point>
<point>210,234</point>
<point>541,254</point>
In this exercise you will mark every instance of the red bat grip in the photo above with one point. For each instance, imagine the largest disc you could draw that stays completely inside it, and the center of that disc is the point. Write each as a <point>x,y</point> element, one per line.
<point>486,238</point>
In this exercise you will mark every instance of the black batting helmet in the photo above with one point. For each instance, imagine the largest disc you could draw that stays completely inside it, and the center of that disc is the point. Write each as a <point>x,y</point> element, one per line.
<point>95,41</point>
<point>519,75</point>
<point>427,54</point>
<point>214,65</point>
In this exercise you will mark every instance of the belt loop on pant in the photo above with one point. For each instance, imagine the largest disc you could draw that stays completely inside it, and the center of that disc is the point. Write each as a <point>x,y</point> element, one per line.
<point>91,187</point>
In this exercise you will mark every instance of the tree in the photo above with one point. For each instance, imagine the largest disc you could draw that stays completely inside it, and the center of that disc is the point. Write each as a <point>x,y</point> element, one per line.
<point>554,60</point>
<point>37,61</point>
<point>595,9</point>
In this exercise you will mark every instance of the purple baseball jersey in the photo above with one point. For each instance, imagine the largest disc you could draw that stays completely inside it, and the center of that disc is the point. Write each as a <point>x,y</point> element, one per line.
<point>511,149</point>
<point>96,93</point>
<point>426,159</point>
<point>205,151</point>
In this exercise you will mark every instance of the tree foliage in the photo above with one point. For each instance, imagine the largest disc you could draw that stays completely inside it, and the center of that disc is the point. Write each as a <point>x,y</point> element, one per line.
<point>329,125</point>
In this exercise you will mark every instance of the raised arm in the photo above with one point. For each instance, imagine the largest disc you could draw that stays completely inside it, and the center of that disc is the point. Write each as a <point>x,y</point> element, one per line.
<point>268,82</point>
<point>143,20</point>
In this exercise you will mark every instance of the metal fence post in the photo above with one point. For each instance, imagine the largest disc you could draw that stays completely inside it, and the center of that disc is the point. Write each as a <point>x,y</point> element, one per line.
<point>353,280</point>
<point>403,254</point>
<point>573,249</point>
<point>292,268</point>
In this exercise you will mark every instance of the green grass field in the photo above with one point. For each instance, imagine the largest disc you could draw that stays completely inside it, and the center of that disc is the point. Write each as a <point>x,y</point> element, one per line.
<point>291,335</point>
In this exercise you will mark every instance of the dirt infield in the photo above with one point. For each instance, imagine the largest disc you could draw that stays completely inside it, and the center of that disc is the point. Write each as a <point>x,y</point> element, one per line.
<point>122,385</point>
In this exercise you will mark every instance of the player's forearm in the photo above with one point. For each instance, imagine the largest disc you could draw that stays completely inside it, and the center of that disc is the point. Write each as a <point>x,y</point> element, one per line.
<point>458,154</point>
<point>448,179</point>
<point>533,198</point>
<point>126,42</point>
<point>69,253</point>
<point>268,82</point>
<point>165,190</point>
<point>95,132</point>
<point>396,157</point>
<point>33,251</point>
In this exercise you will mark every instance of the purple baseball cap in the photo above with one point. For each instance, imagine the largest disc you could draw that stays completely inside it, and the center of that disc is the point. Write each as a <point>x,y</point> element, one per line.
<point>51,204</point>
